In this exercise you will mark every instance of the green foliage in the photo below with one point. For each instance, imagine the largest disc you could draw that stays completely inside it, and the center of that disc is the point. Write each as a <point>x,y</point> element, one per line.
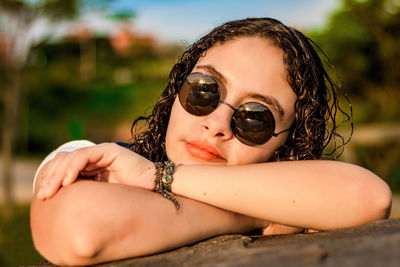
<point>63,105</point>
<point>16,246</point>
<point>384,160</point>
<point>30,9</point>
<point>361,41</point>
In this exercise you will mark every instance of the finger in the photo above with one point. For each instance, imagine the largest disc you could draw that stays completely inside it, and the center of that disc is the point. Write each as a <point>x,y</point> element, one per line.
<point>48,178</point>
<point>53,166</point>
<point>98,157</point>
<point>275,228</point>
<point>311,231</point>
<point>89,173</point>
<point>48,188</point>
<point>40,176</point>
<point>70,177</point>
<point>82,162</point>
<point>66,169</point>
<point>95,172</point>
<point>90,167</point>
<point>66,166</point>
<point>56,174</point>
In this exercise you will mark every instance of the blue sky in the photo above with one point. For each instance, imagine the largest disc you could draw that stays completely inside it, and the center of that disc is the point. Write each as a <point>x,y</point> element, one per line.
<point>187,20</point>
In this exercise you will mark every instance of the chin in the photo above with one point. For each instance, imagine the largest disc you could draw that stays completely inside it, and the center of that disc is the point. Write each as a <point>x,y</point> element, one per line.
<point>201,162</point>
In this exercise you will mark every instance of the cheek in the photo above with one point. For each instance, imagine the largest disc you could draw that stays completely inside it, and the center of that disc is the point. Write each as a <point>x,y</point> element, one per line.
<point>242,154</point>
<point>172,127</point>
<point>179,124</point>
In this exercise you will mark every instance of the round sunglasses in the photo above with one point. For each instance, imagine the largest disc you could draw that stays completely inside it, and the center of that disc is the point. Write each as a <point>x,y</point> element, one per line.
<point>252,123</point>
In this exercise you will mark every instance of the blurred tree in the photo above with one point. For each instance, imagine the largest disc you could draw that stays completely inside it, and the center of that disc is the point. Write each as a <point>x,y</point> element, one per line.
<point>362,40</point>
<point>23,24</point>
<point>123,87</point>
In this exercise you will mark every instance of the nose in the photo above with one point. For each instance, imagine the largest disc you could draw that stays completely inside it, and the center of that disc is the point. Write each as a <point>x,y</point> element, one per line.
<point>218,123</point>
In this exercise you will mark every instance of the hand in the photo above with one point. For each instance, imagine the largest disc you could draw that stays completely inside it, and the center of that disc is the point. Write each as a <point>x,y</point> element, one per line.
<point>276,229</point>
<point>114,163</point>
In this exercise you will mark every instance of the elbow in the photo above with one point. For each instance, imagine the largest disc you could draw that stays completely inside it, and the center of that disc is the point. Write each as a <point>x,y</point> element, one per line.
<point>375,200</point>
<point>82,250</point>
<point>65,237</point>
<point>77,251</point>
<point>382,202</point>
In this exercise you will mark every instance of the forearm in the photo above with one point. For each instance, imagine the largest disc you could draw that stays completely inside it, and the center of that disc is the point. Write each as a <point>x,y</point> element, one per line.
<point>90,222</point>
<point>309,194</point>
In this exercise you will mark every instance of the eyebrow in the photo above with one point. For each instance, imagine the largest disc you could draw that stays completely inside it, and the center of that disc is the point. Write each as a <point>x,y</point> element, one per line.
<point>213,72</point>
<point>269,100</point>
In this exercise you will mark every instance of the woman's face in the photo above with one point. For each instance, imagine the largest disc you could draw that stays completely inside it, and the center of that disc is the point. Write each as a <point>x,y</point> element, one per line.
<point>245,68</point>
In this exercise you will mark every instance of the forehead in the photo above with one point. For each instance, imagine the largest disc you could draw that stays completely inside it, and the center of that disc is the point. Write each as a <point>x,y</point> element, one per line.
<point>237,55</point>
<point>251,65</point>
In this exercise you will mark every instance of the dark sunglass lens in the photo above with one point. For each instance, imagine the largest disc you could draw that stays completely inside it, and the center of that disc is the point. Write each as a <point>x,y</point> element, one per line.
<point>253,124</point>
<point>199,94</point>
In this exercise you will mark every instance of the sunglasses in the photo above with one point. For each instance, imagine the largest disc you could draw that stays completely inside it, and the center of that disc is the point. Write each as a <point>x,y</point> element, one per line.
<point>252,123</point>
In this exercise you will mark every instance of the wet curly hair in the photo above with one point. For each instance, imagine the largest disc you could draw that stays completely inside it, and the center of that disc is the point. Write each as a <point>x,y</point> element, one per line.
<point>316,107</point>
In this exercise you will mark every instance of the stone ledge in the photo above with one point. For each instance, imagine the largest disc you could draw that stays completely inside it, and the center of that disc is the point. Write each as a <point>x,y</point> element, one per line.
<point>375,244</point>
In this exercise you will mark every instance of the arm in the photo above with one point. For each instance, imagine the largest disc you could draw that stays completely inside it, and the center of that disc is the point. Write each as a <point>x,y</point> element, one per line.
<point>310,194</point>
<point>90,222</point>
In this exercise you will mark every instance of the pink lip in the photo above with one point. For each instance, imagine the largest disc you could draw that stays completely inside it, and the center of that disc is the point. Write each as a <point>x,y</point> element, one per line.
<point>203,151</point>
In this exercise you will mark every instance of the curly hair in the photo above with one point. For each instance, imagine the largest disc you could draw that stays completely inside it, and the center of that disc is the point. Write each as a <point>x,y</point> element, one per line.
<point>316,107</point>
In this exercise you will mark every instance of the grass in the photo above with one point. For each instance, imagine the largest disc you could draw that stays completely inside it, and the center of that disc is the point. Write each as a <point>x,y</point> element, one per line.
<point>16,246</point>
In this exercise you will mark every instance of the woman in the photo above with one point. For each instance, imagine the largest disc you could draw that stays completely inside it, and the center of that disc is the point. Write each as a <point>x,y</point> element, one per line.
<point>244,118</point>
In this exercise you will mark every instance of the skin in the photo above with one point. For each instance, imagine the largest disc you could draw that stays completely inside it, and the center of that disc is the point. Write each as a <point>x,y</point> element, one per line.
<point>238,189</point>
<point>259,71</point>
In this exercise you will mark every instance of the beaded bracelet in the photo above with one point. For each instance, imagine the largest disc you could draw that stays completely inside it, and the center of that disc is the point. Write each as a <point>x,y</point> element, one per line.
<point>163,181</point>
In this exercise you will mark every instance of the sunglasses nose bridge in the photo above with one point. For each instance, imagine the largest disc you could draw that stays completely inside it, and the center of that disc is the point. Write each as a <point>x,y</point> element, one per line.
<point>229,105</point>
